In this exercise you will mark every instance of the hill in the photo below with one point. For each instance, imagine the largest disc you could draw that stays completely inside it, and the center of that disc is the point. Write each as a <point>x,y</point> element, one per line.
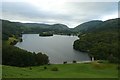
<point>102,42</point>
<point>109,25</point>
<point>40,25</point>
<point>87,26</point>
<point>11,28</point>
<point>36,25</point>
<point>97,25</point>
<point>16,28</point>
<point>60,27</point>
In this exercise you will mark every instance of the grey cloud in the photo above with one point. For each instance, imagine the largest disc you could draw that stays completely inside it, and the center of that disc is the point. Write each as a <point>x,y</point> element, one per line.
<point>77,12</point>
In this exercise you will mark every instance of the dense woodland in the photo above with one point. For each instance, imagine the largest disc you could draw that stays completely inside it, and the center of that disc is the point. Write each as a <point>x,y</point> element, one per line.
<point>17,57</point>
<point>14,56</point>
<point>101,43</point>
<point>15,28</point>
<point>100,39</point>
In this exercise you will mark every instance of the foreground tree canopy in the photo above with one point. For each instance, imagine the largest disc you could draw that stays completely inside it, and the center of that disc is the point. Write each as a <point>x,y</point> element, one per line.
<point>17,57</point>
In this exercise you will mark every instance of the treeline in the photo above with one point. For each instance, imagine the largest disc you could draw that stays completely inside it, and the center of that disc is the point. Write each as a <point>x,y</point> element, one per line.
<point>14,56</point>
<point>102,43</point>
<point>17,57</point>
<point>17,29</point>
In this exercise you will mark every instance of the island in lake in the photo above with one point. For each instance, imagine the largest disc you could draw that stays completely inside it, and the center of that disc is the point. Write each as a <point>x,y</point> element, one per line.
<point>46,34</point>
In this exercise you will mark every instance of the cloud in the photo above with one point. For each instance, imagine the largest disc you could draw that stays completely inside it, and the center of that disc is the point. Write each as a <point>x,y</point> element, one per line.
<point>69,13</point>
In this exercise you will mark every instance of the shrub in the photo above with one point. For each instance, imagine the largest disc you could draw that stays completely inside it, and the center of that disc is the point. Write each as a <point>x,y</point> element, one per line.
<point>14,42</point>
<point>74,61</point>
<point>30,68</point>
<point>48,64</point>
<point>118,67</point>
<point>54,69</point>
<point>21,74</point>
<point>65,62</point>
<point>45,67</point>
<point>21,40</point>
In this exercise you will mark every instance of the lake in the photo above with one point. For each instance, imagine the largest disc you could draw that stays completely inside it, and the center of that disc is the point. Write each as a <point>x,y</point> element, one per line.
<point>59,48</point>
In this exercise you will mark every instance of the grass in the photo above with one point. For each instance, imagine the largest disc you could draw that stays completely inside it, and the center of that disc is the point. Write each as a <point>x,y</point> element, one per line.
<point>78,70</point>
<point>0,71</point>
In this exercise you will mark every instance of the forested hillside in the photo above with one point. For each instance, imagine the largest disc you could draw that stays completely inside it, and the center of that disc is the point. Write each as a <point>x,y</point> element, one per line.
<point>88,26</point>
<point>102,42</point>
<point>99,39</point>
<point>16,28</point>
<point>17,57</point>
<point>10,29</point>
<point>14,56</point>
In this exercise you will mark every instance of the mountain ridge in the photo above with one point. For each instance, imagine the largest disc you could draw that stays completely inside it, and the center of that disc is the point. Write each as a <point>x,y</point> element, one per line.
<point>89,26</point>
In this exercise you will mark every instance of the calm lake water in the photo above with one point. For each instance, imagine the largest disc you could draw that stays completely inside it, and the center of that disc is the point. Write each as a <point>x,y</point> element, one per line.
<point>59,48</point>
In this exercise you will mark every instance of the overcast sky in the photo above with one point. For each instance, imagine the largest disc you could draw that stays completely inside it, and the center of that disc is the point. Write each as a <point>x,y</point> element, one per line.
<point>70,13</point>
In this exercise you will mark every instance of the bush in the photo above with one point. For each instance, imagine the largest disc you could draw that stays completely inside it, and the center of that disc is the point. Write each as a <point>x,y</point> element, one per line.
<point>65,62</point>
<point>74,61</point>
<point>54,69</point>
<point>21,74</point>
<point>21,40</point>
<point>45,67</point>
<point>48,64</point>
<point>14,42</point>
<point>30,68</point>
<point>118,67</point>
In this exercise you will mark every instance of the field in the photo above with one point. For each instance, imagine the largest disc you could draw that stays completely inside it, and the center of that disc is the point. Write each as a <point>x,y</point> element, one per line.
<point>76,70</point>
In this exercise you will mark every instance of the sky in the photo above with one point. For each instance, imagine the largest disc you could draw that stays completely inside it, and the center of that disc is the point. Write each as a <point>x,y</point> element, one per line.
<point>68,12</point>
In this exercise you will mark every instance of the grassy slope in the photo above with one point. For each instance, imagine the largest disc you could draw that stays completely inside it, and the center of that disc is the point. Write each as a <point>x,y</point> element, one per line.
<point>84,70</point>
<point>0,71</point>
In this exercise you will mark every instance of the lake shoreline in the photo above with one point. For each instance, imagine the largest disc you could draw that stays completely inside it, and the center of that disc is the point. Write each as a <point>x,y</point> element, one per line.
<point>59,48</point>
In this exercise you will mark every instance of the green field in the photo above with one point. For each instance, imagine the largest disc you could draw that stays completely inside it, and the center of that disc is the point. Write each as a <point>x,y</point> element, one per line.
<point>78,70</point>
<point>0,71</point>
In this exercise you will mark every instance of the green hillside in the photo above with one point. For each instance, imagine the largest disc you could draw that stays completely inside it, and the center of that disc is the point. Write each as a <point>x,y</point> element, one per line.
<point>88,26</point>
<point>15,28</point>
<point>97,25</point>
<point>83,70</point>
<point>102,42</point>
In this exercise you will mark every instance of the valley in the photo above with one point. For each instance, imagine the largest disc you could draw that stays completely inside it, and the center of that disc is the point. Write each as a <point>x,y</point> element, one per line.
<point>99,40</point>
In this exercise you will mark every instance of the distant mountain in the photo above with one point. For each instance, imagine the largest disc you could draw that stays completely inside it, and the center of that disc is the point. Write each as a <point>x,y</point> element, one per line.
<point>111,24</point>
<point>102,41</point>
<point>9,28</point>
<point>41,25</point>
<point>87,26</point>
<point>59,26</point>
<point>47,26</point>
<point>97,25</point>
